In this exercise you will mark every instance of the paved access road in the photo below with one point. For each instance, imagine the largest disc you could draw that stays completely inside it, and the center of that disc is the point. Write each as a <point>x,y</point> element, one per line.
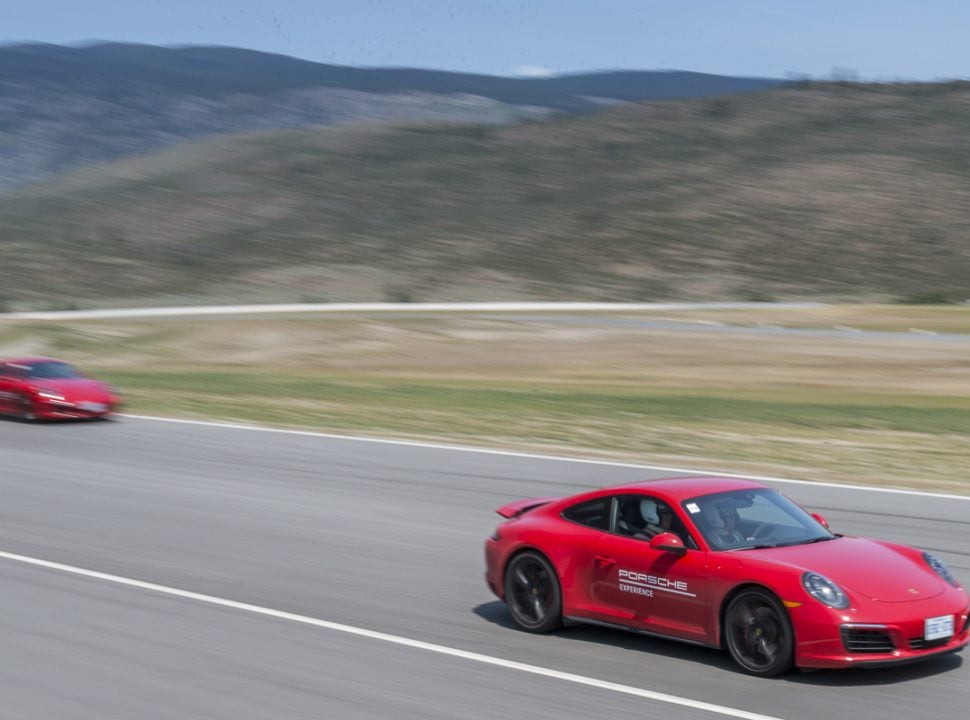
<point>376,536</point>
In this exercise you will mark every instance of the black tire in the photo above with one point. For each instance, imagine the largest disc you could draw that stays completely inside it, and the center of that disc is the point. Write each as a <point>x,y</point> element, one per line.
<point>26,412</point>
<point>532,593</point>
<point>758,633</point>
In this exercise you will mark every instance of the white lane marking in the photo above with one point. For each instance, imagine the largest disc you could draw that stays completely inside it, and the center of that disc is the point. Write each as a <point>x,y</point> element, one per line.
<point>390,307</point>
<point>920,331</point>
<point>539,456</point>
<point>846,328</point>
<point>395,639</point>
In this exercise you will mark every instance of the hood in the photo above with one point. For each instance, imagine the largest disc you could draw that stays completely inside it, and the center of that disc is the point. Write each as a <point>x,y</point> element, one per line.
<point>75,389</point>
<point>864,567</point>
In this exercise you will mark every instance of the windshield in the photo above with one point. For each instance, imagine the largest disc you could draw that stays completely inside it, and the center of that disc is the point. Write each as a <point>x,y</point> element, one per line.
<point>52,371</point>
<point>744,519</point>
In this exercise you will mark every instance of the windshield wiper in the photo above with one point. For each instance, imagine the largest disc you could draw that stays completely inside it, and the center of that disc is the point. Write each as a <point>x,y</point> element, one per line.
<point>759,546</point>
<point>820,539</point>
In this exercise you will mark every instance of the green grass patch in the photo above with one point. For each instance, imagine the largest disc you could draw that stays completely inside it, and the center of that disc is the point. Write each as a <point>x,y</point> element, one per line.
<point>779,408</point>
<point>864,438</point>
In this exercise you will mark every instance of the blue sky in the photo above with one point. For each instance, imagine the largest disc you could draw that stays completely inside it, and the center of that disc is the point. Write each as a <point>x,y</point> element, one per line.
<point>877,39</point>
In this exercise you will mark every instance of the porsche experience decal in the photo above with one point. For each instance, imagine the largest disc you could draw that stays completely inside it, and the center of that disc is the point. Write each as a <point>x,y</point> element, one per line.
<point>644,584</point>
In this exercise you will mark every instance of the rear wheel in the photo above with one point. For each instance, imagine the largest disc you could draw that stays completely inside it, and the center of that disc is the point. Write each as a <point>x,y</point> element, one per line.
<point>758,633</point>
<point>532,593</point>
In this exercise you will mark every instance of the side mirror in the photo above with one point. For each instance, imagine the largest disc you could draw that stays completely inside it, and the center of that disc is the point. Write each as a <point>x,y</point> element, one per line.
<point>820,520</point>
<point>668,542</point>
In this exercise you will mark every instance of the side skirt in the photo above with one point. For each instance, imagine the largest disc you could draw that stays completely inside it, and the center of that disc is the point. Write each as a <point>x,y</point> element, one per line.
<point>637,631</point>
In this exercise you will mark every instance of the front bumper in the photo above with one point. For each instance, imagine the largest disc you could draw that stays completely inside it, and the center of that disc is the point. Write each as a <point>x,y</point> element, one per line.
<point>828,638</point>
<point>67,409</point>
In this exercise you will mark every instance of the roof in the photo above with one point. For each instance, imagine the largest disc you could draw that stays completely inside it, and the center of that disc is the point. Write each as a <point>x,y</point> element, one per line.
<point>690,486</point>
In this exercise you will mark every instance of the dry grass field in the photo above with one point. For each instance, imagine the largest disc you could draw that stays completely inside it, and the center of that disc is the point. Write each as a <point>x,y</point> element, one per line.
<point>869,396</point>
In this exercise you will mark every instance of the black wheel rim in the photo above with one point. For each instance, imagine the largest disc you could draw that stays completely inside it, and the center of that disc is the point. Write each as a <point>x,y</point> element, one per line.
<point>26,410</point>
<point>531,592</point>
<point>756,633</point>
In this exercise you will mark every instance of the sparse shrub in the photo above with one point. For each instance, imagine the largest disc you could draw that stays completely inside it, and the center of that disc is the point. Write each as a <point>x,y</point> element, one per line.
<point>474,132</point>
<point>719,109</point>
<point>398,294</point>
<point>62,306</point>
<point>754,295</point>
<point>538,197</point>
<point>933,297</point>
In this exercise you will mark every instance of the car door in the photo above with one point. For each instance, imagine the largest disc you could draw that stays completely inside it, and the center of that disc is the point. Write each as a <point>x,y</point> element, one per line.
<point>648,588</point>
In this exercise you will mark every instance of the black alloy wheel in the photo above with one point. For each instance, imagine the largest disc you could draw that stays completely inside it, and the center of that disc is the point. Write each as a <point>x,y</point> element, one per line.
<point>26,412</point>
<point>532,593</point>
<point>758,633</point>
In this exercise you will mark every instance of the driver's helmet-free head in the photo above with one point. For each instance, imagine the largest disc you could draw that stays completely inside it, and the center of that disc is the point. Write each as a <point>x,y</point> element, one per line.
<point>717,513</point>
<point>713,516</point>
<point>649,511</point>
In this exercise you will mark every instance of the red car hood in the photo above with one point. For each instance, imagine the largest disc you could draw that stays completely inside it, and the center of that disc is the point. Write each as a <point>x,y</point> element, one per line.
<point>866,567</point>
<point>76,389</point>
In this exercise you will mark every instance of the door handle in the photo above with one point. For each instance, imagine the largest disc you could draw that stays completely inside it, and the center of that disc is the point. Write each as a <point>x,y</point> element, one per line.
<point>604,561</point>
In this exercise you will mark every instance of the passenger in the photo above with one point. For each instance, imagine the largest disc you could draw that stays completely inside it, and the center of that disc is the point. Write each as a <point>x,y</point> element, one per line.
<point>657,516</point>
<point>644,519</point>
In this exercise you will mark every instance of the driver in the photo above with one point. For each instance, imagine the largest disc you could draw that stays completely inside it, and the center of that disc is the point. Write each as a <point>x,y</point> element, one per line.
<point>722,519</point>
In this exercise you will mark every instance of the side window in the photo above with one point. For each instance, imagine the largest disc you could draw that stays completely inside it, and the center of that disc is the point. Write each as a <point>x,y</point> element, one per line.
<point>642,517</point>
<point>592,513</point>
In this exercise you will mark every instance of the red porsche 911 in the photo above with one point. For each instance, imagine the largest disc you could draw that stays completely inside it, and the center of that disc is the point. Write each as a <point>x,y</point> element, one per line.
<point>46,389</point>
<point>724,562</point>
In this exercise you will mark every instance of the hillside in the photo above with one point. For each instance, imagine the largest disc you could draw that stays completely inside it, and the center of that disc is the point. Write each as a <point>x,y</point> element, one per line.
<point>842,191</point>
<point>61,107</point>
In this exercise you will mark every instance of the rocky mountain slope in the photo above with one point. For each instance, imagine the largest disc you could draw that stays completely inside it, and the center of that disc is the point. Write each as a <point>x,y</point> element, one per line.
<point>822,191</point>
<point>61,107</point>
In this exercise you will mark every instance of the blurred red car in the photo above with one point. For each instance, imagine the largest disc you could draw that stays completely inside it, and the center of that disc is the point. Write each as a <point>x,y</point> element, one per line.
<point>726,563</point>
<point>41,388</point>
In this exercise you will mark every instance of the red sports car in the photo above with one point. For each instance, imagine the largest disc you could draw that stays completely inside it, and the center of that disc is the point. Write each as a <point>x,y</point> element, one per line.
<point>42,388</point>
<point>726,563</point>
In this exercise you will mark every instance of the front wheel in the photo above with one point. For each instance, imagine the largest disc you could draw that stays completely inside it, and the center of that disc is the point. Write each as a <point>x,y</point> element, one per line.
<point>532,593</point>
<point>758,633</point>
<point>26,412</point>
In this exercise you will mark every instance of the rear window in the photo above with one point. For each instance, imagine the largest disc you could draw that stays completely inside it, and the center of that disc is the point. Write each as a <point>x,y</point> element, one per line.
<point>592,513</point>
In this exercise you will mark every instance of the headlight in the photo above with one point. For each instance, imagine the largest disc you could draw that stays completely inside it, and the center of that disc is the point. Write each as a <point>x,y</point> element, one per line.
<point>824,590</point>
<point>48,395</point>
<point>940,568</point>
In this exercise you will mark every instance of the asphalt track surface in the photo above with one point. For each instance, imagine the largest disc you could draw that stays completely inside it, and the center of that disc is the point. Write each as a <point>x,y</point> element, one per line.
<point>376,536</point>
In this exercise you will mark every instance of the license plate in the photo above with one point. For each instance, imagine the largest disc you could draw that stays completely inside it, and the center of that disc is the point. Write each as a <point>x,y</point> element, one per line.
<point>95,407</point>
<point>938,627</point>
